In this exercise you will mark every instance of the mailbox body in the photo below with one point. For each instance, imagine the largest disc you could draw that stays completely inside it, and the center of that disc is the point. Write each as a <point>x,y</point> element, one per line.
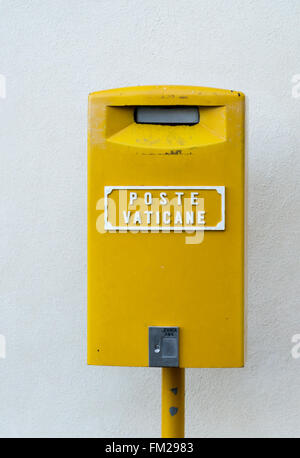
<point>140,278</point>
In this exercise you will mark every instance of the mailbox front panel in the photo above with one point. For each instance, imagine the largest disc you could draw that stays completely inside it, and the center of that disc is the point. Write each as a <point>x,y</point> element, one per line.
<point>166,225</point>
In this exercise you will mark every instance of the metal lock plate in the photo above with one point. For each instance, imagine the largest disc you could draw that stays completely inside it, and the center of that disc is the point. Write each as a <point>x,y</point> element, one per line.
<point>163,346</point>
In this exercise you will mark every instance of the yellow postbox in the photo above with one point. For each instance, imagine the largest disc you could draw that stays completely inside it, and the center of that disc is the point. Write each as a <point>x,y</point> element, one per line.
<point>166,227</point>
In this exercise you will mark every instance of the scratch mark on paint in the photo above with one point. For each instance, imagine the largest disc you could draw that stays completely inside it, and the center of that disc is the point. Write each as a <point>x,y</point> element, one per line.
<point>168,153</point>
<point>173,411</point>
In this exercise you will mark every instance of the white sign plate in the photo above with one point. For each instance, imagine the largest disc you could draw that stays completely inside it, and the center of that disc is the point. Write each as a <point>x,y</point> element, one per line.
<point>161,218</point>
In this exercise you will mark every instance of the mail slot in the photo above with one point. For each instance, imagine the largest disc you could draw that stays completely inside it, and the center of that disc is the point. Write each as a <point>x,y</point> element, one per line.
<point>166,227</point>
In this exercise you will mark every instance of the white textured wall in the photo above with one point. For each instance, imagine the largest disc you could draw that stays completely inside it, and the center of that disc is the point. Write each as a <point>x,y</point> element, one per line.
<point>53,53</point>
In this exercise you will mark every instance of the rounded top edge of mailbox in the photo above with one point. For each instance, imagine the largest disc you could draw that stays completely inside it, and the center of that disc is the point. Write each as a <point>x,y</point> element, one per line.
<point>178,91</point>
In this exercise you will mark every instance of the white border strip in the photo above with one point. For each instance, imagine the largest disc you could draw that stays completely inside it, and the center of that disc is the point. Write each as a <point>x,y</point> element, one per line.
<point>109,227</point>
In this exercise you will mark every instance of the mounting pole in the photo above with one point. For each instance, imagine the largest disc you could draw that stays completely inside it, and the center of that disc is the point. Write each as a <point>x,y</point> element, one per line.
<point>172,405</point>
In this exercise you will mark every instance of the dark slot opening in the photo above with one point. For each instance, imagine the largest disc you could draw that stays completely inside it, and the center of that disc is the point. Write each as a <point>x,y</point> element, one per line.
<point>167,115</point>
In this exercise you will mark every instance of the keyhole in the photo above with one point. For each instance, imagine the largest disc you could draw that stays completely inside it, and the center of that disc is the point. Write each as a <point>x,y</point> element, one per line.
<point>156,348</point>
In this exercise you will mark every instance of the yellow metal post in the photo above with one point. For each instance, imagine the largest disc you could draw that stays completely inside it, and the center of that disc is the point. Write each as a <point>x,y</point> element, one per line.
<point>172,402</point>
